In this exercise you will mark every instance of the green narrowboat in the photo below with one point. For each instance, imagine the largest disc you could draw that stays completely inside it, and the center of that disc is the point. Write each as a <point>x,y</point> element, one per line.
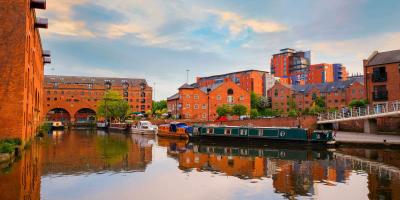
<point>268,133</point>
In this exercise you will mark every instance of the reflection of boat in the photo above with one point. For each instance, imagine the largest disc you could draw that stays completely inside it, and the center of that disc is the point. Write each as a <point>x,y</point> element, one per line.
<point>102,124</point>
<point>57,126</point>
<point>144,127</point>
<point>119,126</point>
<point>174,130</point>
<point>259,133</point>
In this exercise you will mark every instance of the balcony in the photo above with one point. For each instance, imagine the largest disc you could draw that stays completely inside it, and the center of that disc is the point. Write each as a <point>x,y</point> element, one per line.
<point>46,60</point>
<point>38,4</point>
<point>380,96</point>
<point>46,53</point>
<point>42,23</point>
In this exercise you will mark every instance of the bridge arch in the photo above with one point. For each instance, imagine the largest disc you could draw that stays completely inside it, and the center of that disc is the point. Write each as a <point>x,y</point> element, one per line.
<point>58,114</point>
<point>84,115</point>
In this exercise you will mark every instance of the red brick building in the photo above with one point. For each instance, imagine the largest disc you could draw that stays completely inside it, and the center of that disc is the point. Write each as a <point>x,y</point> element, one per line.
<point>336,95</point>
<point>75,98</point>
<point>255,81</point>
<point>201,102</point>
<point>326,73</point>
<point>382,72</point>
<point>21,64</point>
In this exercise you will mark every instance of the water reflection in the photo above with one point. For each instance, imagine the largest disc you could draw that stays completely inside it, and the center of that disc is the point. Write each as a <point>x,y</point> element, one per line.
<point>100,165</point>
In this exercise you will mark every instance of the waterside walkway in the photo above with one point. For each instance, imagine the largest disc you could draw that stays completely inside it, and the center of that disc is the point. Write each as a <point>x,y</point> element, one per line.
<point>363,138</point>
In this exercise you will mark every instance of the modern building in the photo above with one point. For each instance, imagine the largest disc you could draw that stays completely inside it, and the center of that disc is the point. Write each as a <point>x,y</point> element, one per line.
<point>201,102</point>
<point>22,61</point>
<point>382,72</point>
<point>326,73</point>
<point>75,98</point>
<point>255,81</point>
<point>337,95</point>
<point>291,66</point>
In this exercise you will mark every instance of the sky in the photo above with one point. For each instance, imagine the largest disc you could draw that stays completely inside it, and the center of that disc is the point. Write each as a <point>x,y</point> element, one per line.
<point>160,39</point>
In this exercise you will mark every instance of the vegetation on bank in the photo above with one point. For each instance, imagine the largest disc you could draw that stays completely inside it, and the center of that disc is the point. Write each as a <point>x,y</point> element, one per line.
<point>9,145</point>
<point>113,106</point>
<point>231,110</point>
<point>159,108</point>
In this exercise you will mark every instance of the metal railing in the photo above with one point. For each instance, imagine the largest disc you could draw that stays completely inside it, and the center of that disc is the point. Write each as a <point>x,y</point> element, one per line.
<point>376,110</point>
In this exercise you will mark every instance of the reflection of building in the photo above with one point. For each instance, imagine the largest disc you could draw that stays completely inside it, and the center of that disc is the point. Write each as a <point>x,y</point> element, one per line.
<point>22,60</point>
<point>73,98</point>
<point>113,152</point>
<point>293,172</point>
<point>23,179</point>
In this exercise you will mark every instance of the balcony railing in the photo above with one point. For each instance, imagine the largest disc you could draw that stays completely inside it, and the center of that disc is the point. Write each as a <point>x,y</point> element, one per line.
<point>39,4</point>
<point>380,96</point>
<point>46,53</point>
<point>381,77</point>
<point>46,60</point>
<point>41,23</point>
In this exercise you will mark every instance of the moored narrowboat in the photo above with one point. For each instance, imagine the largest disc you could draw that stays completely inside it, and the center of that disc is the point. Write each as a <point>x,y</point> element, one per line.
<point>174,130</point>
<point>57,125</point>
<point>268,133</point>
<point>119,127</point>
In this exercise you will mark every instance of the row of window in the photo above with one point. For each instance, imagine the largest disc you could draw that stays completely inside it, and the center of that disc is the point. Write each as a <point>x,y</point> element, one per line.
<point>142,94</point>
<point>76,100</point>
<point>188,115</point>
<point>196,106</point>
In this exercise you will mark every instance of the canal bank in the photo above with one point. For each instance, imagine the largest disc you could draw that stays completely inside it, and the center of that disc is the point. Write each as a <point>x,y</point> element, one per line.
<point>344,138</point>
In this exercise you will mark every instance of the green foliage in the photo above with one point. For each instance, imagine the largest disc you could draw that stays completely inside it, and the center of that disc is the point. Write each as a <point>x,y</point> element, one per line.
<point>254,100</point>
<point>160,106</point>
<point>239,110</point>
<point>358,103</point>
<point>254,113</point>
<point>269,112</point>
<point>224,110</point>
<point>117,107</point>
<point>44,128</point>
<point>292,104</point>
<point>320,102</point>
<point>314,110</point>
<point>292,113</point>
<point>9,145</point>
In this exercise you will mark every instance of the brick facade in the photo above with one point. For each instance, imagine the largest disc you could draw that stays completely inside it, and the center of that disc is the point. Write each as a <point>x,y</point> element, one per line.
<point>21,65</point>
<point>382,71</point>
<point>192,101</point>
<point>71,98</point>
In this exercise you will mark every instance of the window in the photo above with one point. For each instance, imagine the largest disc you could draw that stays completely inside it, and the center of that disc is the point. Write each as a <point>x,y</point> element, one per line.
<point>187,96</point>
<point>210,131</point>
<point>260,132</point>
<point>228,131</point>
<point>241,98</point>
<point>230,99</point>
<point>55,99</point>
<point>48,99</point>
<point>188,105</point>
<point>196,106</point>
<point>243,132</point>
<point>230,91</point>
<point>204,115</point>
<point>196,96</point>
<point>204,106</point>
<point>218,97</point>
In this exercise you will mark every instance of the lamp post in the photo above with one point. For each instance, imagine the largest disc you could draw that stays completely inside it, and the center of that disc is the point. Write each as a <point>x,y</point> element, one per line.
<point>187,76</point>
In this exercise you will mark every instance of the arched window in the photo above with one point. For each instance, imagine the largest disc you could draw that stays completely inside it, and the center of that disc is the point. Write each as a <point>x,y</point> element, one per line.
<point>230,91</point>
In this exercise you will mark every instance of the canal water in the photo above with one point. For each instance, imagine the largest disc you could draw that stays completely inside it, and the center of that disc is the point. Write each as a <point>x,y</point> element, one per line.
<point>83,164</point>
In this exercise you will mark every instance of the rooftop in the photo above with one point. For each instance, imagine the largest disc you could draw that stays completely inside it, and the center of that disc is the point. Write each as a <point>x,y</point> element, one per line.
<point>92,80</point>
<point>232,73</point>
<point>387,57</point>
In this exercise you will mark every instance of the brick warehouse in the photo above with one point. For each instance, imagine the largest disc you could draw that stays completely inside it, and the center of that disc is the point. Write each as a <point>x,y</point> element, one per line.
<point>200,103</point>
<point>75,98</point>
<point>336,95</point>
<point>22,61</point>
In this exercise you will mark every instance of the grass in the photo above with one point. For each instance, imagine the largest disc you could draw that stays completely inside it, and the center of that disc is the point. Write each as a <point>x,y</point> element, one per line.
<point>9,145</point>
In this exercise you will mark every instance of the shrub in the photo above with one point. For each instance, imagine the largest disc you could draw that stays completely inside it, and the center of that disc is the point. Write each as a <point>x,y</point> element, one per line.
<point>254,113</point>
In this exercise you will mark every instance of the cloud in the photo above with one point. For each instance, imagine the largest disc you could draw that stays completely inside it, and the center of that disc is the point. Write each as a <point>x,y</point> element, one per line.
<point>238,24</point>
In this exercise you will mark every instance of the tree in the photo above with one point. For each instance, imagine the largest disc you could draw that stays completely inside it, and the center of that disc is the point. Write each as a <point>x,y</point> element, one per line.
<point>254,100</point>
<point>254,113</point>
<point>159,105</point>
<point>292,113</point>
<point>239,110</point>
<point>224,110</point>
<point>358,103</point>
<point>114,106</point>
<point>320,102</point>
<point>263,103</point>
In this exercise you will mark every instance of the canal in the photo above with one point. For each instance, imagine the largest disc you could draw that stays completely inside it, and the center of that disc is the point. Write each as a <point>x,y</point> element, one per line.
<point>83,164</point>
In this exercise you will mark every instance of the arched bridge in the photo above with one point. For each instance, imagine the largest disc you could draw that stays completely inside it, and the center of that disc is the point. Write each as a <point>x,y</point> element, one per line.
<point>71,112</point>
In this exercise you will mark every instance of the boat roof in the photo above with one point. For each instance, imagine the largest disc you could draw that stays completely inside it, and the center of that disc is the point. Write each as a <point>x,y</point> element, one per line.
<point>256,127</point>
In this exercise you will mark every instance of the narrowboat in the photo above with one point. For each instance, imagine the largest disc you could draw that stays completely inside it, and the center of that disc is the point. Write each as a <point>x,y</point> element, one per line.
<point>119,127</point>
<point>174,130</point>
<point>259,133</point>
<point>145,128</point>
<point>102,124</point>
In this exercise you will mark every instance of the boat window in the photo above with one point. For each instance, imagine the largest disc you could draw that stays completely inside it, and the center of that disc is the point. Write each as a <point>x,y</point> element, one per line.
<point>260,132</point>
<point>243,132</point>
<point>228,131</point>
<point>210,131</point>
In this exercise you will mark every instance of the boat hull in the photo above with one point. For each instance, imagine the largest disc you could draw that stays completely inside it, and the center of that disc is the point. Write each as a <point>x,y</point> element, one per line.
<point>292,135</point>
<point>173,135</point>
